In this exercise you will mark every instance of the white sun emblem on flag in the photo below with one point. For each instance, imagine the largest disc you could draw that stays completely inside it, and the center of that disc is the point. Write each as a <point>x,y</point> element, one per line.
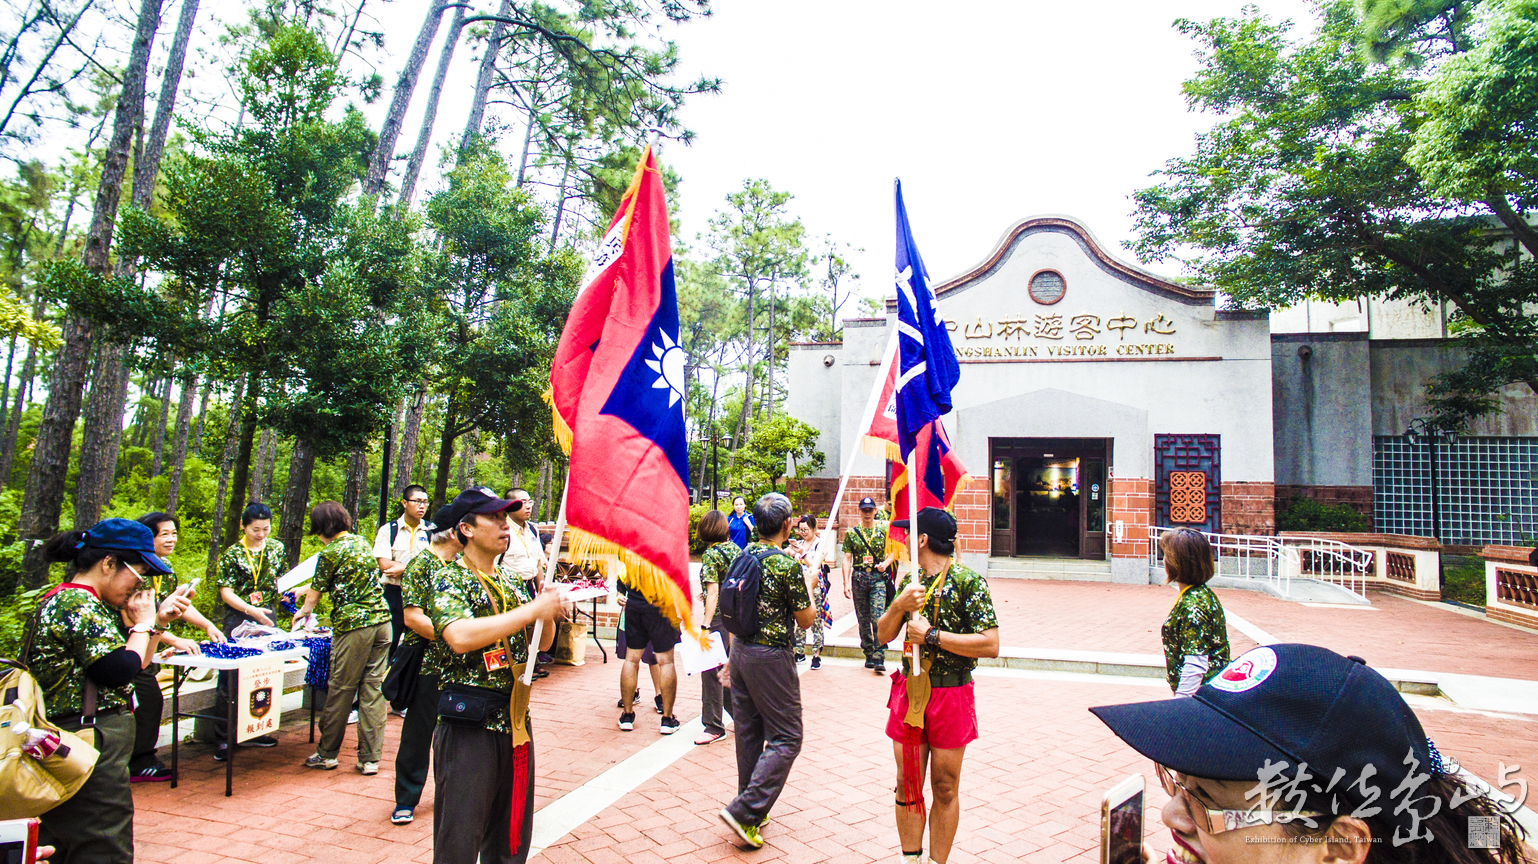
<point>669,367</point>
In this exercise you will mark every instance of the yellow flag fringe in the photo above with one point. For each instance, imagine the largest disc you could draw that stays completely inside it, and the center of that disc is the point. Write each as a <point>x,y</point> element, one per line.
<point>880,448</point>
<point>657,587</point>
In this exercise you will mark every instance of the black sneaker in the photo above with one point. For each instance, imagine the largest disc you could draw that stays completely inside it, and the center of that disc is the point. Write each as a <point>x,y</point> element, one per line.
<point>669,725</point>
<point>658,702</point>
<point>221,752</point>
<point>156,773</point>
<point>260,741</point>
<point>816,662</point>
<point>870,662</point>
<point>880,668</point>
<point>800,658</point>
<point>627,721</point>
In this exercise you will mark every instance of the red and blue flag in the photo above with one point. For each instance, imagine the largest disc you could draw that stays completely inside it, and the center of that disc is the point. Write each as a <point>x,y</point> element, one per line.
<point>617,389</point>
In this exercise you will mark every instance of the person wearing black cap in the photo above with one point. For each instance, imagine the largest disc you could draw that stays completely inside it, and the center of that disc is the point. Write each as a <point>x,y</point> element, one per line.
<point>932,713</point>
<point>865,580</point>
<point>483,750</point>
<point>76,649</point>
<point>1295,753</point>
<point>417,581</point>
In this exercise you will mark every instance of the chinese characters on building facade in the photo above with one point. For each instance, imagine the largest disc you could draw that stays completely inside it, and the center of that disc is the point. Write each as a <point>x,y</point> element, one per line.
<point>1057,335</point>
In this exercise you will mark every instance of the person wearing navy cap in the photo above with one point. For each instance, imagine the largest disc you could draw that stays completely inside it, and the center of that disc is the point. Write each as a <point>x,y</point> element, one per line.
<point>77,650</point>
<point>865,580</point>
<point>1295,753</point>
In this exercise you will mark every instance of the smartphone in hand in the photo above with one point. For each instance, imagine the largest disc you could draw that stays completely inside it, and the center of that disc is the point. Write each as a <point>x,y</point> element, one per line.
<point>18,841</point>
<point>1121,823</point>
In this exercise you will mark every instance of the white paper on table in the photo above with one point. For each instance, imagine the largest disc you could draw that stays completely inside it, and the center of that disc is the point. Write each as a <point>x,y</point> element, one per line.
<point>300,576</point>
<point>697,660</point>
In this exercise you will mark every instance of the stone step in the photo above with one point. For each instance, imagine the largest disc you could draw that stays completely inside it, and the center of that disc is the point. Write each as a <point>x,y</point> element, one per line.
<point>1065,569</point>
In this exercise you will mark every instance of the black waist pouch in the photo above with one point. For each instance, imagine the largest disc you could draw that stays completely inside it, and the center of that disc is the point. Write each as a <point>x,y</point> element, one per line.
<point>461,703</point>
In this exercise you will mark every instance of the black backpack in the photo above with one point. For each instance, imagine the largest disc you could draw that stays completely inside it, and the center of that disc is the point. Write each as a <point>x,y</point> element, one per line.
<point>739,592</point>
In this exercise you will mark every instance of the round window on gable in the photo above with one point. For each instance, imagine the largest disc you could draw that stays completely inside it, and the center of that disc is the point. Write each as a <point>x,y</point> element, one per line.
<point>1047,287</point>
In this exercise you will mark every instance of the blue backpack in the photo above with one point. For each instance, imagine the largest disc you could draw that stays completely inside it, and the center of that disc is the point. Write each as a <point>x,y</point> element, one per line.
<point>739,592</point>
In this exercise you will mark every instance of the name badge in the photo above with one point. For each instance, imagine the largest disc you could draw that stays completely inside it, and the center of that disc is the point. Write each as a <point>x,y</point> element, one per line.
<point>495,658</point>
<point>869,560</point>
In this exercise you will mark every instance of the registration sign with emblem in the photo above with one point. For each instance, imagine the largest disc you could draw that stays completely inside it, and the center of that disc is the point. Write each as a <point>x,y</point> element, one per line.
<point>260,699</point>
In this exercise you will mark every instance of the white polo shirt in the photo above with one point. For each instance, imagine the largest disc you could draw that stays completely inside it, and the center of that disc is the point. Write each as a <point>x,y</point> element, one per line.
<point>408,543</point>
<point>524,551</point>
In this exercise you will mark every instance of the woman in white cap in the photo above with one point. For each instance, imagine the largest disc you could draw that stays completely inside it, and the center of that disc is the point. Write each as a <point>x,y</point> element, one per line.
<point>1294,753</point>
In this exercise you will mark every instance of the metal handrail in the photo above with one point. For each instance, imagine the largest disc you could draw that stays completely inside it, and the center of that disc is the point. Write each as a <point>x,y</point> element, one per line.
<point>1277,560</point>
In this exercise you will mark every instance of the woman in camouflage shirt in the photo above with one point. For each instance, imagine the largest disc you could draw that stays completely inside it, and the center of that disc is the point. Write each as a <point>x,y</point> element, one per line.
<point>248,585</point>
<point>1195,633</point>
<point>360,638</point>
<point>78,651</point>
<point>713,565</point>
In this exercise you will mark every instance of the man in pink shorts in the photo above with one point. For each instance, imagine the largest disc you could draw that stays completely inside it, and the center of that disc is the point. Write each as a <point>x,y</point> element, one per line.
<point>950,620</point>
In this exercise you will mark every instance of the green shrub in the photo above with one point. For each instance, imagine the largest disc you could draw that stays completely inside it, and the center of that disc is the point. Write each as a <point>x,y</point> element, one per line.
<point>1306,514</point>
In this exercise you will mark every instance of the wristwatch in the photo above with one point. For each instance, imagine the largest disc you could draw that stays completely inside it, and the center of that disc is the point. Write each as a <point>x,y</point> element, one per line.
<point>932,638</point>
<point>144,628</point>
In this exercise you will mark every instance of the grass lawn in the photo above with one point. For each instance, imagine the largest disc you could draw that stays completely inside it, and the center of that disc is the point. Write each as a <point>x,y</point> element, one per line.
<point>1463,579</point>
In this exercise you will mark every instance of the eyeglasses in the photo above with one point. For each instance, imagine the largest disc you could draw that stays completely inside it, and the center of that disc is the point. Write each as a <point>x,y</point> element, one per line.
<point>1217,821</point>
<point>416,500</point>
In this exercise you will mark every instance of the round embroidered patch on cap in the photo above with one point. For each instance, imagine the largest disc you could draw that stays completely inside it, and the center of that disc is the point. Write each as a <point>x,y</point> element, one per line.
<point>1247,672</point>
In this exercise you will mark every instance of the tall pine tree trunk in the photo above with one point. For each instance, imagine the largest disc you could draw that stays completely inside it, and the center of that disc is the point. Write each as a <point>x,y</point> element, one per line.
<point>231,442</point>
<point>197,434</point>
<point>446,452</point>
<point>260,491</point>
<point>296,497</point>
<point>101,439</point>
<point>405,463</point>
<point>13,423</point>
<point>179,441</point>
<point>44,496</point>
<point>389,133</point>
<point>483,77</point>
<point>241,480</point>
<point>158,439</point>
<point>353,483</point>
<point>430,112</point>
<point>5,391</point>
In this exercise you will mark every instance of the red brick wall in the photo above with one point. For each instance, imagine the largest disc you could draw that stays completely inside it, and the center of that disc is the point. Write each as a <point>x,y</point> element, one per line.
<point>972,504</point>
<point>1132,503</point>
<point>1249,508</point>
<point>819,493</point>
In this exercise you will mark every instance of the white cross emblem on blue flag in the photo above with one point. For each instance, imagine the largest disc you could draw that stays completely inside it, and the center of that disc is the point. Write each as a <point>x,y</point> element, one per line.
<point>927,368</point>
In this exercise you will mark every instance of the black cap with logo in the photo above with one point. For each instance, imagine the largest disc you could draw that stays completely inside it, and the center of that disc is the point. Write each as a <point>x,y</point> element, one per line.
<point>474,500</point>
<point>867,503</point>
<point>1293,704</point>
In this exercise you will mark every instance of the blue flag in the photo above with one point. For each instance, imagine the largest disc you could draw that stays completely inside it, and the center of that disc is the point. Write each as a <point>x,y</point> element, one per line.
<point>927,367</point>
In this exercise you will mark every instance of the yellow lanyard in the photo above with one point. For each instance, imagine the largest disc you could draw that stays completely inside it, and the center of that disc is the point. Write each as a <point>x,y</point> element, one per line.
<point>491,583</point>
<point>932,589</point>
<point>251,558</point>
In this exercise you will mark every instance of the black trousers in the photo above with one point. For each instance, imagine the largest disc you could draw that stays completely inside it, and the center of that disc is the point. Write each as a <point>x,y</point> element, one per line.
<point>473,796</point>
<point>416,746</point>
<point>392,595</point>
<point>149,707</point>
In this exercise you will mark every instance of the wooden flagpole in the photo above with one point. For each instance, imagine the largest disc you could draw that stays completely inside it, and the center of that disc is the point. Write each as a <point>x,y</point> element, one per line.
<point>555,552</point>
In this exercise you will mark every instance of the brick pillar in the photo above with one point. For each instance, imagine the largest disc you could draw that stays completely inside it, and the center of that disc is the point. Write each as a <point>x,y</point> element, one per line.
<point>1132,504</point>
<point>1249,508</point>
<point>973,531</point>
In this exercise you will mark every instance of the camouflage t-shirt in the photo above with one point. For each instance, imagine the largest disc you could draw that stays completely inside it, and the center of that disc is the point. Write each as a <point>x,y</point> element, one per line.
<point>72,631</point>
<point>458,594</point>
<point>713,566</point>
<point>349,572</point>
<point>867,547</point>
<point>417,584</point>
<point>780,594</point>
<point>962,605</point>
<point>237,574</point>
<point>1195,625</point>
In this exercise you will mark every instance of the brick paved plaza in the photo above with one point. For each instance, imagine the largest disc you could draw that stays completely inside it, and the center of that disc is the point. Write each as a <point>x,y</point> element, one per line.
<point>1030,789</point>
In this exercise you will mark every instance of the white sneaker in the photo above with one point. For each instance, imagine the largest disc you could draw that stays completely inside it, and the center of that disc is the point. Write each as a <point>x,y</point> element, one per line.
<point>368,769</point>
<point>352,718</point>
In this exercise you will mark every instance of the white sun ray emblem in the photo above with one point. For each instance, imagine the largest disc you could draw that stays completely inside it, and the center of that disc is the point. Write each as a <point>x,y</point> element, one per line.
<point>669,367</point>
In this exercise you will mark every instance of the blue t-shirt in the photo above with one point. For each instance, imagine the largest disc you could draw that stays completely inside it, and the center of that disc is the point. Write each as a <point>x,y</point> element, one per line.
<point>740,528</point>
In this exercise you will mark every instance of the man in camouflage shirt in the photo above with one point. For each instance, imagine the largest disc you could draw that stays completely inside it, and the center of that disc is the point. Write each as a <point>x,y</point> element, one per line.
<point>947,617</point>
<point>766,691</point>
<point>360,638</point>
<point>865,564</point>
<point>483,771</point>
<point>419,582</point>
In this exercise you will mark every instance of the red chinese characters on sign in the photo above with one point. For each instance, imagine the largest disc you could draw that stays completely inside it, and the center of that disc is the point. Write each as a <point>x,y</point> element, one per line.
<point>1188,497</point>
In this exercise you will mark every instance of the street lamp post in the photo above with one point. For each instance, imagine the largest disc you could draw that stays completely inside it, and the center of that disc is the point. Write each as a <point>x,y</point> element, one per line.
<point>1421,428</point>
